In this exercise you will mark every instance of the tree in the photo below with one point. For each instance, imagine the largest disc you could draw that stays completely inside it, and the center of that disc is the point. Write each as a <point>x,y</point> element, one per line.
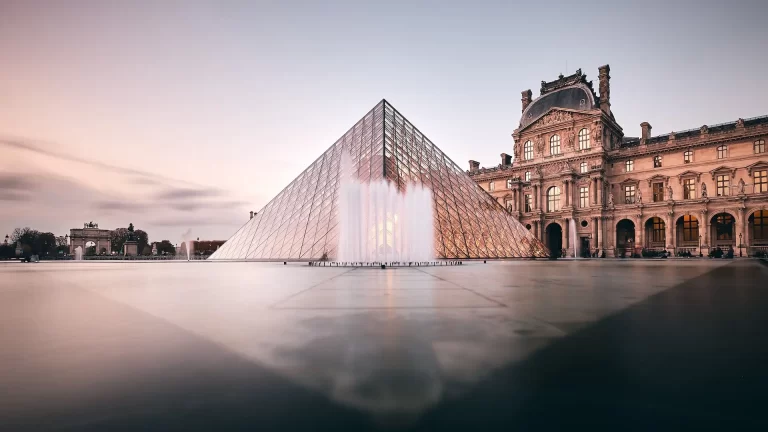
<point>142,239</point>
<point>7,251</point>
<point>165,248</point>
<point>120,235</point>
<point>44,244</point>
<point>147,251</point>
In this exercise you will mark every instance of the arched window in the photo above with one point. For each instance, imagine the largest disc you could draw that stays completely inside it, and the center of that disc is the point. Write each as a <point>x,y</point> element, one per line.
<point>759,146</point>
<point>688,156</point>
<point>584,139</point>
<point>528,150</point>
<point>554,145</point>
<point>722,152</point>
<point>657,161</point>
<point>724,226</point>
<point>553,199</point>
<point>759,221</point>
<point>583,167</point>
<point>690,228</point>
<point>657,230</point>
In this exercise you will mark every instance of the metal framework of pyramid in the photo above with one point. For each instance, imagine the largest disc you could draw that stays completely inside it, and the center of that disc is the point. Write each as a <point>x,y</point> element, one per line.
<point>301,222</point>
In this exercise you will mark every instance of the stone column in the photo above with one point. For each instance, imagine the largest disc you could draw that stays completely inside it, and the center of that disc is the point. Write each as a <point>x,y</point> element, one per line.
<point>600,236</point>
<point>536,197</point>
<point>639,232</point>
<point>740,227</point>
<point>567,234</point>
<point>599,191</point>
<point>670,231</point>
<point>536,228</point>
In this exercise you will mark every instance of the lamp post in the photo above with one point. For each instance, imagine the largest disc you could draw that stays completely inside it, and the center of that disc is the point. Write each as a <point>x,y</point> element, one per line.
<point>740,245</point>
<point>700,254</point>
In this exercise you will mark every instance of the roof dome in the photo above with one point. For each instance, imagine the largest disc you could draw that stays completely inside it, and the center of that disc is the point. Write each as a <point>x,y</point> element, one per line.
<point>576,97</point>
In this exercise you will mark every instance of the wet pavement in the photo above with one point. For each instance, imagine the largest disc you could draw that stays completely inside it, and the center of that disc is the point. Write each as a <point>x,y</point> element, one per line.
<point>531,345</point>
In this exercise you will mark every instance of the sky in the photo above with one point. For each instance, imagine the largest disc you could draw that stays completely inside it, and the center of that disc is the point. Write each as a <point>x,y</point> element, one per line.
<point>183,116</point>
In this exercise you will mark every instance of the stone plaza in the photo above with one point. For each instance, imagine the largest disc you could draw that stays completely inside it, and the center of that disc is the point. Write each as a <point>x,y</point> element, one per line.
<point>621,344</point>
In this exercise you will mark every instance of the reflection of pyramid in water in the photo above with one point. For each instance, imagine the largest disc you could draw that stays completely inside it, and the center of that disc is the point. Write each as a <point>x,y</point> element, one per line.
<point>301,222</point>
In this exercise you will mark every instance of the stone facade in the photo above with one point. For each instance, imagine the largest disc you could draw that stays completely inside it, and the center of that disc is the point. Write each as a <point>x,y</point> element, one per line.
<point>576,180</point>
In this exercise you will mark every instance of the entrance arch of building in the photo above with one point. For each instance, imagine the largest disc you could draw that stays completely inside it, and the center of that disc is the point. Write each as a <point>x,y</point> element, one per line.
<point>687,232</point>
<point>757,233</point>
<point>722,230</point>
<point>554,239</point>
<point>625,237</point>
<point>655,230</point>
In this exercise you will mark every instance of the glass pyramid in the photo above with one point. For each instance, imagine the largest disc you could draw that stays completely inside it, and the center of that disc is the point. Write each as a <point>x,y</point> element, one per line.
<point>301,222</point>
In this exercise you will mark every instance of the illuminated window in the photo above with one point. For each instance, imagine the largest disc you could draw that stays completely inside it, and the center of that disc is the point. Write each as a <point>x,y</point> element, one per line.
<point>492,186</point>
<point>760,226</point>
<point>761,181</point>
<point>722,152</point>
<point>527,176</point>
<point>528,150</point>
<point>528,203</point>
<point>583,196</point>
<point>657,230</point>
<point>723,185</point>
<point>583,167</point>
<point>629,165</point>
<point>658,192</point>
<point>688,156</point>
<point>554,145</point>
<point>759,146</point>
<point>629,194</point>
<point>724,226</point>
<point>689,188</point>
<point>690,228</point>
<point>553,199</point>
<point>584,139</point>
<point>657,161</point>
<point>509,183</point>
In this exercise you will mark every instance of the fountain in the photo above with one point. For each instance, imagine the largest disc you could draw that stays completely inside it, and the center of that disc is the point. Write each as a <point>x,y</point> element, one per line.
<point>78,253</point>
<point>380,224</point>
<point>574,237</point>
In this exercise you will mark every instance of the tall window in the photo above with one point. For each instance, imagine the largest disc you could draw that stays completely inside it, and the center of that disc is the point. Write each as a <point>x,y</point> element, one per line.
<point>492,186</point>
<point>629,194</point>
<point>724,226</point>
<point>723,185</point>
<point>583,196</point>
<point>528,203</point>
<point>689,188</point>
<point>553,199</point>
<point>688,156</point>
<point>527,176</point>
<point>657,233</point>
<point>554,145</point>
<point>657,161</point>
<point>760,225</point>
<point>759,146</point>
<point>658,192</point>
<point>509,183</point>
<point>583,167</point>
<point>690,228</point>
<point>761,181</point>
<point>722,152</point>
<point>629,165</point>
<point>528,150</point>
<point>584,139</point>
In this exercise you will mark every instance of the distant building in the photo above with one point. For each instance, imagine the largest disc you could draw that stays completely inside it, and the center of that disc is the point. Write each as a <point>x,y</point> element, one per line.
<point>206,247</point>
<point>572,162</point>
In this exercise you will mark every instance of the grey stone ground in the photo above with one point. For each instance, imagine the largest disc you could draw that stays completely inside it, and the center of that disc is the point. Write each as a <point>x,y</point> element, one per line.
<point>386,347</point>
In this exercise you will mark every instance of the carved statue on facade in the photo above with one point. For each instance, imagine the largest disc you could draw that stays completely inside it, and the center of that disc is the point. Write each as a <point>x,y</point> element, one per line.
<point>610,198</point>
<point>669,192</point>
<point>741,186</point>
<point>539,144</point>
<point>703,190</point>
<point>639,197</point>
<point>597,133</point>
<point>570,140</point>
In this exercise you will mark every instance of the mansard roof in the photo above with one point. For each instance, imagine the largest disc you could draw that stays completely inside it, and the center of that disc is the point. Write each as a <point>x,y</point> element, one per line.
<point>571,92</point>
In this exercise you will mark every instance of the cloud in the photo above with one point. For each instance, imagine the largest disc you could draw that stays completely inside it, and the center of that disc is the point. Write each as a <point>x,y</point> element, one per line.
<point>185,193</point>
<point>196,221</point>
<point>14,196</point>
<point>16,187</point>
<point>116,205</point>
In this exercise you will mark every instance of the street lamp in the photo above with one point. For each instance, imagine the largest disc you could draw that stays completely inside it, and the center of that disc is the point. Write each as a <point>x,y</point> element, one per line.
<point>740,245</point>
<point>700,254</point>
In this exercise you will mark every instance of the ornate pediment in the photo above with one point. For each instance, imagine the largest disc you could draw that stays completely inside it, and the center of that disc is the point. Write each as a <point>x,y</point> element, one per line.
<point>629,181</point>
<point>555,116</point>
<point>689,174</point>
<point>723,170</point>
<point>659,178</point>
<point>756,166</point>
<point>556,168</point>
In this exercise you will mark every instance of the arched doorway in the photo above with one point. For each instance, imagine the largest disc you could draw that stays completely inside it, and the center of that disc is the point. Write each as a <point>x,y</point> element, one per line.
<point>687,228</point>
<point>758,233</point>
<point>655,233</point>
<point>90,248</point>
<point>555,239</point>
<point>722,231</point>
<point>625,237</point>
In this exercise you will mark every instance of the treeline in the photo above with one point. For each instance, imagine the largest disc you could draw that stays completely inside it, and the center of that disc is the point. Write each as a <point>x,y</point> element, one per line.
<point>34,242</point>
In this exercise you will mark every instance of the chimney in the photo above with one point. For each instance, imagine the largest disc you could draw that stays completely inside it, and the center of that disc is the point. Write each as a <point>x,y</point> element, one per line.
<point>646,127</point>
<point>526,98</point>
<point>474,166</point>
<point>605,89</point>
<point>506,159</point>
<point>251,214</point>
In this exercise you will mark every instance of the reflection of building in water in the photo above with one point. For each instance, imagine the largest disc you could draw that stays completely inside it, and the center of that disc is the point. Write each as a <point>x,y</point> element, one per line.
<point>572,161</point>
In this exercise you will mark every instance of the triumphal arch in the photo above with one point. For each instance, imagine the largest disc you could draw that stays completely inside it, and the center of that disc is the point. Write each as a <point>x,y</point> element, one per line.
<point>90,232</point>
